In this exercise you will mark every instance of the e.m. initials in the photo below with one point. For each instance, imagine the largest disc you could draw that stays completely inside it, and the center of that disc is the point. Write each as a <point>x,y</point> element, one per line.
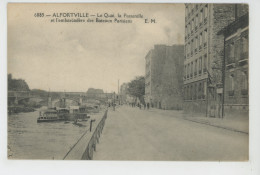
<point>149,20</point>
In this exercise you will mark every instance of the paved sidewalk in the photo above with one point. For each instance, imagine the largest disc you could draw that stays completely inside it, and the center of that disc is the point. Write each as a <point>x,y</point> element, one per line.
<point>134,134</point>
<point>237,123</point>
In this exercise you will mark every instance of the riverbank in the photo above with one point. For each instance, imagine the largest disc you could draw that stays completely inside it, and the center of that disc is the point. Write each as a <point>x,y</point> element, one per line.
<point>19,109</point>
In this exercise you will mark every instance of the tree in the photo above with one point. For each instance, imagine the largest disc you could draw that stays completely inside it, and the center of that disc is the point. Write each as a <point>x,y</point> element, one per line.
<point>136,88</point>
<point>17,84</point>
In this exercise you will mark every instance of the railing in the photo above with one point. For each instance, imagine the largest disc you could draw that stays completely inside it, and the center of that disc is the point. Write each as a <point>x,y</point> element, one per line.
<point>88,154</point>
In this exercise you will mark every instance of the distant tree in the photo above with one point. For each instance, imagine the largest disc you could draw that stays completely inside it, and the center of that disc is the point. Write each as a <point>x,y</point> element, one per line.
<point>136,88</point>
<point>17,84</point>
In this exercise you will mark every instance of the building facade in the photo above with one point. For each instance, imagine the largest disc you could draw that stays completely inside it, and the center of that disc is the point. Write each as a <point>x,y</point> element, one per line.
<point>123,93</point>
<point>163,77</point>
<point>203,82</point>
<point>236,41</point>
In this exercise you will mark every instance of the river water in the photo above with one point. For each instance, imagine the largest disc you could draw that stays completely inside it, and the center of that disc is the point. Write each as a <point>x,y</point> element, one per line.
<point>28,139</point>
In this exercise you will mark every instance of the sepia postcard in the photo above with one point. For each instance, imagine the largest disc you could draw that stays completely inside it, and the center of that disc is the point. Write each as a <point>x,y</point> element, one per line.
<point>128,81</point>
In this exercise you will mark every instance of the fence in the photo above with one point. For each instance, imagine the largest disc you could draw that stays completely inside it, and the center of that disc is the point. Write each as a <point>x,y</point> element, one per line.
<point>91,147</point>
<point>79,150</point>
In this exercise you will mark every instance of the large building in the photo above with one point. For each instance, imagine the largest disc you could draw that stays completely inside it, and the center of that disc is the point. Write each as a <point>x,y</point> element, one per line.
<point>203,82</point>
<point>163,77</point>
<point>236,63</point>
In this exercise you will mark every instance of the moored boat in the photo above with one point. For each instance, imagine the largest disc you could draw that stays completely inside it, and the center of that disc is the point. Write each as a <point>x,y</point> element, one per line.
<point>49,115</point>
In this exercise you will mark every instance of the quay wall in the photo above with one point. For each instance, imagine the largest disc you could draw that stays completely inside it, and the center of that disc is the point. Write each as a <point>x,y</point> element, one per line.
<point>84,148</point>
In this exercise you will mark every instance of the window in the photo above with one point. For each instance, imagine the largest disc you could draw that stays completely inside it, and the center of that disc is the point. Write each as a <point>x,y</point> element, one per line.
<point>195,91</point>
<point>196,20</point>
<point>192,25</point>
<point>244,81</point>
<point>205,89</point>
<point>205,37</point>
<point>200,64</point>
<point>244,44</point>
<point>188,70</point>
<point>188,92</point>
<point>201,16</point>
<point>188,48</point>
<point>195,67</point>
<point>231,85</point>
<point>205,63</point>
<point>206,12</point>
<point>237,50</point>
<point>244,48</point>
<point>184,71</point>
<point>231,53</point>
<point>191,71</point>
<point>199,91</point>
<point>232,50</point>
<point>188,28</point>
<point>231,82</point>
<point>196,43</point>
<point>200,39</point>
<point>192,47</point>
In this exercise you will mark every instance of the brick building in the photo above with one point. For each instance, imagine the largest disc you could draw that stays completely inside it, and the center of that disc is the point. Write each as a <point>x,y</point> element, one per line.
<point>236,63</point>
<point>203,56</point>
<point>163,77</point>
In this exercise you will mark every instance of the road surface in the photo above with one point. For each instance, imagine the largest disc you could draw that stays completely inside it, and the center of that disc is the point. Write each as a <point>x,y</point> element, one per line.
<point>134,134</point>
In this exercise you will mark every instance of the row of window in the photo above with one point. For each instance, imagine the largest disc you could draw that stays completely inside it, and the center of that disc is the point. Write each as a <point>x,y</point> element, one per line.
<point>194,91</point>
<point>196,22</point>
<point>196,44</point>
<point>194,68</point>
<point>237,50</point>
<point>243,83</point>
<point>193,8</point>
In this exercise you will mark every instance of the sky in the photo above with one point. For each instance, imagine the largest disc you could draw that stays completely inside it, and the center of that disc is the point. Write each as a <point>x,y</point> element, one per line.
<point>78,56</point>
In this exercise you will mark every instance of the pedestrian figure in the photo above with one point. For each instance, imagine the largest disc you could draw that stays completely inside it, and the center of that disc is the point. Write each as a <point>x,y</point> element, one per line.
<point>148,105</point>
<point>144,106</point>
